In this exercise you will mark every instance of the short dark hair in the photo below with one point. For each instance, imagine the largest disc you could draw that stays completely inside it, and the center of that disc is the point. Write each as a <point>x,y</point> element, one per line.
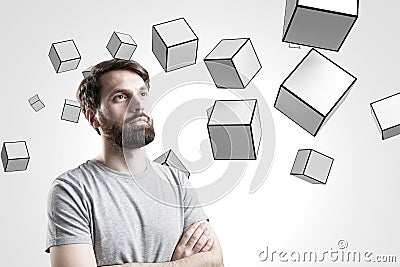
<point>88,93</point>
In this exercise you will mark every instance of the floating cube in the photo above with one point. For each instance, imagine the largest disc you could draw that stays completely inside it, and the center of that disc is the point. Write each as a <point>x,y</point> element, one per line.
<point>312,166</point>
<point>87,71</point>
<point>234,129</point>
<point>169,158</point>
<point>36,103</point>
<point>322,24</point>
<point>64,56</point>
<point>233,63</point>
<point>313,91</point>
<point>15,156</point>
<point>71,111</point>
<point>121,45</point>
<point>174,44</point>
<point>386,113</point>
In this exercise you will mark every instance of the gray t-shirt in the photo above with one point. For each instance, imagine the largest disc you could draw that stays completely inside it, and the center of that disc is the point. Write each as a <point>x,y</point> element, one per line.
<point>110,210</point>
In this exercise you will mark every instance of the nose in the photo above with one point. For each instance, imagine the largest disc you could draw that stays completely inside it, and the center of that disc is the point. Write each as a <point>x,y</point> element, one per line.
<point>136,104</point>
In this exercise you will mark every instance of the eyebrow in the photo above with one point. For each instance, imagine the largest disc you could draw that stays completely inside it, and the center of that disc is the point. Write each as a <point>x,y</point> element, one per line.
<point>123,90</point>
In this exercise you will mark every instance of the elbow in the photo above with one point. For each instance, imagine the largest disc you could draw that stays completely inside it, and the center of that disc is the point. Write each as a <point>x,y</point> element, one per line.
<point>219,263</point>
<point>218,260</point>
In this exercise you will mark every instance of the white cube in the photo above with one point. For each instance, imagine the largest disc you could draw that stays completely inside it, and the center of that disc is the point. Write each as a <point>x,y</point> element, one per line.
<point>174,44</point>
<point>36,103</point>
<point>233,63</point>
<point>121,46</point>
<point>312,166</point>
<point>234,129</point>
<point>64,56</point>
<point>319,23</point>
<point>169,158</point>
<point>71,111</point>
<point>15,156</point>
<point>386,113</point>
<point>313,91</point>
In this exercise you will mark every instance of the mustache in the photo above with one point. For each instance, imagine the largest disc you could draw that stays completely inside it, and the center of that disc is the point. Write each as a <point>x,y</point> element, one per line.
<point>134,116</point>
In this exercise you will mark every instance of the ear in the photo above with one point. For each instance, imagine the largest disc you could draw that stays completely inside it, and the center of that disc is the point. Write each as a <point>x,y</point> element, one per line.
<point>91,117</point>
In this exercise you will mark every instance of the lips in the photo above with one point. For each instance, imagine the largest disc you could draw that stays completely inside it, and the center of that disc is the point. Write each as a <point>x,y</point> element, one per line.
<point>144,119</point>
<point>135,119</point>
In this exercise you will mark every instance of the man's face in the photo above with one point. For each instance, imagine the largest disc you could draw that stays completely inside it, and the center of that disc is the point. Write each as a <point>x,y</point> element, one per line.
<point>123,114</point>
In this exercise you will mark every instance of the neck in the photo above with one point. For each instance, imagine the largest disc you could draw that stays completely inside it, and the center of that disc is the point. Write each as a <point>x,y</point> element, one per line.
<point>115,158</point>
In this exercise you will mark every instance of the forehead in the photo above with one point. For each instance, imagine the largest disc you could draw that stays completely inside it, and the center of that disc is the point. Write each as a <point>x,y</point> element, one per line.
<point>120,79</point>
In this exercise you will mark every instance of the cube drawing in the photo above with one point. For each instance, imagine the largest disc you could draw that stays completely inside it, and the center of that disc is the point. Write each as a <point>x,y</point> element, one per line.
<point>64,56</point>
<point>386,113</point>
<point>121,45</point>
<point>86,72</point>
<point>169,158</point>
<point>313,91</point>
<point>233,63</point>
<point>15,156</point>
<point>36,103</point>
<point>234,129</point>
<point>71,111</point>
<point>174,44</point>
<point>319,23</point>
<point>312,166</point>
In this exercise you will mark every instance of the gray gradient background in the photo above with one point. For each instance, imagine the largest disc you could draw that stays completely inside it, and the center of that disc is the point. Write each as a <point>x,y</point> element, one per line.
<point>360,202</point>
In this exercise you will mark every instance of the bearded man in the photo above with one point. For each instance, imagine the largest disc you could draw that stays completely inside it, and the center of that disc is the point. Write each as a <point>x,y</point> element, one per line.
<point>98,214</point>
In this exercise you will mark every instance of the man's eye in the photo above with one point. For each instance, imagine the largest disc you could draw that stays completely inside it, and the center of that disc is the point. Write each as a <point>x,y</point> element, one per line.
<point>119,97</point>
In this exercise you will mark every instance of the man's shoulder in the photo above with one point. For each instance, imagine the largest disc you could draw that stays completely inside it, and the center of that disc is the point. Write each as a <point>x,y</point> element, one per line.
<point>76,176</point>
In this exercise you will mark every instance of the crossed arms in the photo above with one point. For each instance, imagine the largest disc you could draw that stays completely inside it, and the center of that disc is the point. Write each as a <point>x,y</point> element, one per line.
<point>198,247</point>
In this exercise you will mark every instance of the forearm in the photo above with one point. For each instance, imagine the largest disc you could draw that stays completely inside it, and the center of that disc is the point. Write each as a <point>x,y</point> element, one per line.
<point>202,259</point>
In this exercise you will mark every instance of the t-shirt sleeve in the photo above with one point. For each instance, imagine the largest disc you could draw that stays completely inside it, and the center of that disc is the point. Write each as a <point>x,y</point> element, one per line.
<point>68,219</point>
<point>192,211</point>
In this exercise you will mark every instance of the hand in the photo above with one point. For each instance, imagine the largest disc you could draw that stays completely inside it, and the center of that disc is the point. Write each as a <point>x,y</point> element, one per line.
<point>194,239</point>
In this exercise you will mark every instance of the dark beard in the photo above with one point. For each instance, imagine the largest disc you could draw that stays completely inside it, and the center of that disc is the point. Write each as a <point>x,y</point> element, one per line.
<point>128,135</point>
